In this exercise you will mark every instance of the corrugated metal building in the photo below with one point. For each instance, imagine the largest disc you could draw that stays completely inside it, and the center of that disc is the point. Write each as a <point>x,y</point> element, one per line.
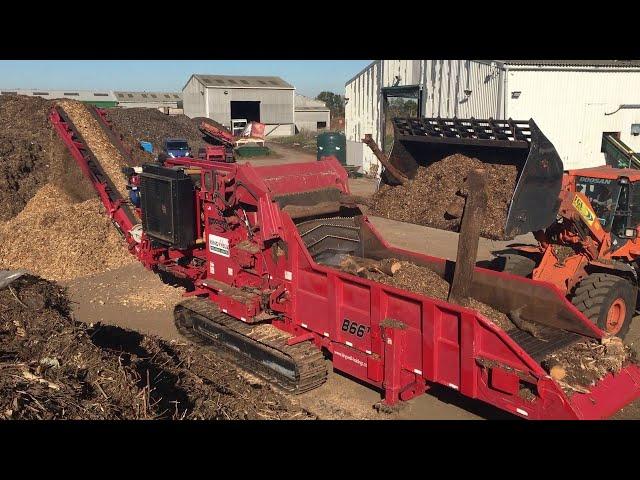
<point>99,98</point>
<point>149,99</point>
<point>269,100</point>
<point>573,101</point>
<point>311,115</point>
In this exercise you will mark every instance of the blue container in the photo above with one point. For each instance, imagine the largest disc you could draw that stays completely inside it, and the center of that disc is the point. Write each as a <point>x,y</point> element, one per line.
<point>147,146</point>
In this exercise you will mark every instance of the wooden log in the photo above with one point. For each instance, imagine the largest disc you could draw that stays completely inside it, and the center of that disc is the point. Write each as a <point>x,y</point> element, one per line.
<point>303,211</point>
<point>389,266</point>
<point>355,200</point>
<point>365,266</point>
<point>383,159</point>
<point>474,209</point>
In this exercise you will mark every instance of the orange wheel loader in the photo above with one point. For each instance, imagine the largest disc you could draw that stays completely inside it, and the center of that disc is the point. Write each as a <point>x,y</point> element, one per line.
<point>591,251</point>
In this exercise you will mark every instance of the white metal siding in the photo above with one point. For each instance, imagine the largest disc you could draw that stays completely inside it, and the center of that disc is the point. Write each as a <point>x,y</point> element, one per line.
<point>193,99</point>
<point>147,104</point>
<point>362,111</point>
<point>276,106</point>
<point>570,106</point>
<point>444,83</point>
<point>308,120</point>
<point>279,131</point>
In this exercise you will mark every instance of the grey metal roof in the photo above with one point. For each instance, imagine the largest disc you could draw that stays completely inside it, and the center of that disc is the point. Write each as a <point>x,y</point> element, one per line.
<point>574,63</point>
<point>151,97</point>
<point>47,94</point>
<point>235,81</point>
<point>306,104</point>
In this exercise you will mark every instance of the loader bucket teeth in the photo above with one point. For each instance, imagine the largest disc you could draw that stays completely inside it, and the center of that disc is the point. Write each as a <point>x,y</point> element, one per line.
<point>534,203</point>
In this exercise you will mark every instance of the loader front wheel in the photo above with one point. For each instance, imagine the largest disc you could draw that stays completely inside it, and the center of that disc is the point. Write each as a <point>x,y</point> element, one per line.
<point>515,264</point>
<point>607,300</point>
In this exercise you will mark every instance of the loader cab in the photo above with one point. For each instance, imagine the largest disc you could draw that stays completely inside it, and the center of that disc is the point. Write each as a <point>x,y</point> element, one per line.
<point>616,202</point>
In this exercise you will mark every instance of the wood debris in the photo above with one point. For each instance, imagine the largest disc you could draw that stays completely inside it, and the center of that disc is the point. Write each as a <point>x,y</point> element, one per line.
<point>581,365</point>
<point>415,278</point>
<point>435,196</point>
<point>60,240</point>
<point>98,142</point>
<point>63,369</point>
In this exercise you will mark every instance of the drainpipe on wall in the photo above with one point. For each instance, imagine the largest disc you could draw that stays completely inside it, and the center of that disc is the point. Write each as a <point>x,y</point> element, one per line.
<point>506,90</point>
<point>499,108</point>
<point>206,102</point>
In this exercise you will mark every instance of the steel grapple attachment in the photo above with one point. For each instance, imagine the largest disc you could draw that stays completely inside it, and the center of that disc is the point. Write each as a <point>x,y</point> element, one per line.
<point>534,204</point>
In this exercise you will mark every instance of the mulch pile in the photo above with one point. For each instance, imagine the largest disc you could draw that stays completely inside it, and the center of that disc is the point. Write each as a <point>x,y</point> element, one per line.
<point>59,239</point>
<point>582,364</point>
<point>435,197</point>
<point>99,143</point>
<point>418,279</point>
<point>151,125</point>
<point>31,155</point>
<point>52,367</point>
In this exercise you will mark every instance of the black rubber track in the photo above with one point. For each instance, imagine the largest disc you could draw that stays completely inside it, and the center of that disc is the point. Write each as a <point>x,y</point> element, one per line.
<point>259,349</point>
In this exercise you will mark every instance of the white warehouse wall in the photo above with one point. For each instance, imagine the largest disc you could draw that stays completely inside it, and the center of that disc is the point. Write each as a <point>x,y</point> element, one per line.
<point>193,101</point>
<point>444,83</point>
<point>570,106</point>
<point>308,120</point>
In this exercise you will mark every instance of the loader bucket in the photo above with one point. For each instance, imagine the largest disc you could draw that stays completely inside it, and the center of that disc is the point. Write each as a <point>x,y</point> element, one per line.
<point>534,204</point>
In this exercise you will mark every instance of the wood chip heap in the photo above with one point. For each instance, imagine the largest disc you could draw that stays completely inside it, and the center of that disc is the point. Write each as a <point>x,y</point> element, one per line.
<point>32,154</point>
<point>60,240</point>
<point>98,142</point>
<point>52,367</point>
<point>435,196</point>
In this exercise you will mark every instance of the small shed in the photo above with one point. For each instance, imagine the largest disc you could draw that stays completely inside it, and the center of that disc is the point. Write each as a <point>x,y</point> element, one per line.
<point>311,115</point>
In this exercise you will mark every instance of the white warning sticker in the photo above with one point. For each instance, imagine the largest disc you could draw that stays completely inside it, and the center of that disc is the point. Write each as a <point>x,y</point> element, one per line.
<point>212,268</point>
<point>219,245</point>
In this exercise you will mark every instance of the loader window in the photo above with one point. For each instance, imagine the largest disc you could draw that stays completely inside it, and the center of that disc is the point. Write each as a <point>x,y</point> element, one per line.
<point>603,194</point>
<point>634,205</point>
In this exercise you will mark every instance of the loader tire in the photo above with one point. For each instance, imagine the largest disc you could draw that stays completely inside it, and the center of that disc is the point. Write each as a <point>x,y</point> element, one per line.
<point>514,264</point>
<point>607,300</point>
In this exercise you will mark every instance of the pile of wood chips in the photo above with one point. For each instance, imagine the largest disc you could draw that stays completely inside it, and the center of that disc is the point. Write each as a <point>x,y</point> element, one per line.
<point>582,364</point>
<point>435,196</point>
<point>32,155</point>
<point>417,279</point>
<point>98,142</point>
<point>52,367</point>
<point>60,240</point>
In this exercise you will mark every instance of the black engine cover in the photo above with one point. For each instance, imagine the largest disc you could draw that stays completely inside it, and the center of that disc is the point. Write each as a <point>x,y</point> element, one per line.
<point>168,206</point>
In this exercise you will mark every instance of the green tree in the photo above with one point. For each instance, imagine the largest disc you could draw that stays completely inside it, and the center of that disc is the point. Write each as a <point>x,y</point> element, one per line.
<point>334,102</point>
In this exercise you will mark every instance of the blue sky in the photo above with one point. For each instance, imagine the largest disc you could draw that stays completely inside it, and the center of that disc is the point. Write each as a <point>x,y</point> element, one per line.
<point>310,77</point>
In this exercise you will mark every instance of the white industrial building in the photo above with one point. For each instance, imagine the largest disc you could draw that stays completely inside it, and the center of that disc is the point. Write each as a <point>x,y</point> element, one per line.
<point>104,98</point>
<point>574,102</point>
<point>269,100</point>
<point>311,115</point>
<point>148,99</point>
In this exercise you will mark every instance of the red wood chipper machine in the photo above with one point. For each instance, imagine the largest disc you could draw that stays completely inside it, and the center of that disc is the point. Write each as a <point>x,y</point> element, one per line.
<point>258,248</point>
